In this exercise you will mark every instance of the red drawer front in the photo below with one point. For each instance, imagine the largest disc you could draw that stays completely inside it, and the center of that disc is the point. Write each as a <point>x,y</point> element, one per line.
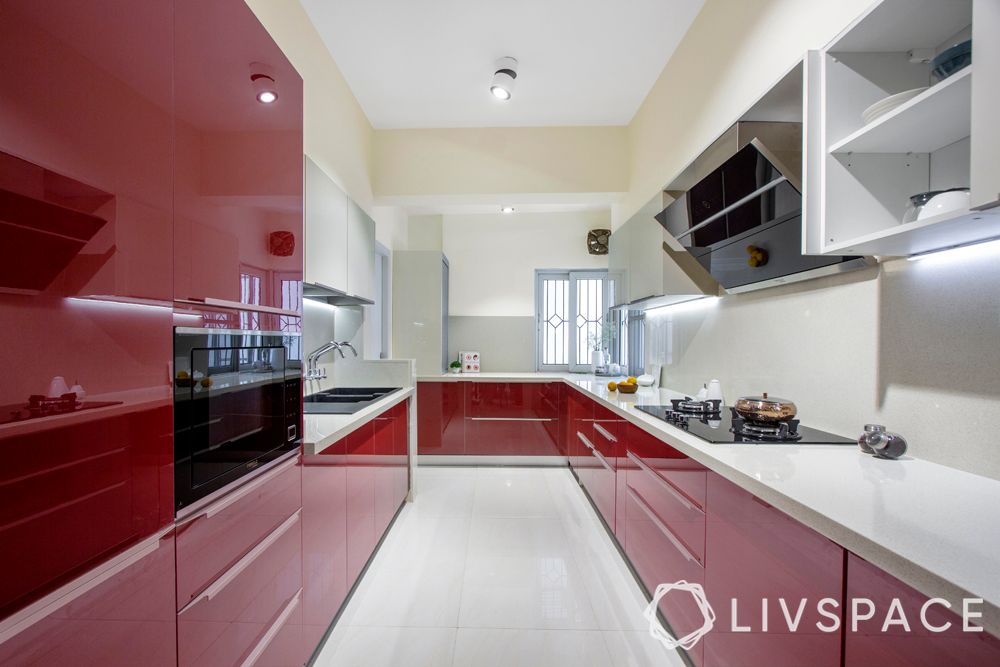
<point>657,557</point>
<point>754,551</point>
<point>581,423</point>
<point>233,616</point>
<point>361,482</point>
<point>683,472</point>
<point>401,450</point>
<point>72,496</point>
<point>121,613</point>
<point>324,539</point>
<point>209,543</point>
<point>509,437</point>
<point>524,400</point>
<point>685,519</point>
<point>384,471</point>
<point>441,417</point>
<point>285,645</point>
<point>870,647</point>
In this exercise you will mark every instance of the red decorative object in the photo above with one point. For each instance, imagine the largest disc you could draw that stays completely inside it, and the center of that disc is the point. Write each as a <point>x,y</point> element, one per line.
<point>281,244</point>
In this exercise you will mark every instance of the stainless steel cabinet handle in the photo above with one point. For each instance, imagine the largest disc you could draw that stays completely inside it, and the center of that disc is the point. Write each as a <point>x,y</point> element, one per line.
<point>603,431</point>
<point>511,419</point>
<point>669,534</point>
<point>667,485</point>
<point>273,631</point>
<point>600,457</point>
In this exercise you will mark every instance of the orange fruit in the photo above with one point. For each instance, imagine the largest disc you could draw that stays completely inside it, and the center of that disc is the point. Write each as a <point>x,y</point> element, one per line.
<point>631,380</point>
<point>612,386</point>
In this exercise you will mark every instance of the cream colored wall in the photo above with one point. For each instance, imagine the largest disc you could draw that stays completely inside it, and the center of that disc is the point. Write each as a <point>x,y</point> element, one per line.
<point>484,161</point>
<point>731,55</point>
<point>493,257</point>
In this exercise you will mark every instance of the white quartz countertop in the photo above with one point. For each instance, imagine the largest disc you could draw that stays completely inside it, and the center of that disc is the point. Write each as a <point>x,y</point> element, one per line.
<point>934,527</point>
<point>321,431</point>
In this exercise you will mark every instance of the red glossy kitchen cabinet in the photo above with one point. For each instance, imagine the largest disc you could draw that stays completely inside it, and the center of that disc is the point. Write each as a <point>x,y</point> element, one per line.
<point>510,419</point>
<point>869,646</point>
<point>359,450</point>
<point>324,541</point>
<point>754,551</point>
<point>441,418</point>
<point>239,573</point>
<point>238,167</point>
<point>383,464</point>
<point>118,614</point>
<point>579,432</point>
<point>665,517</point>
<point>401,451</point>
<point>607,438</point>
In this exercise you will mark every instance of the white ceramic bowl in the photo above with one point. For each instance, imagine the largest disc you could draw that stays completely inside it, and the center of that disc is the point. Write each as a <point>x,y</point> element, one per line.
<point>887,104</point>
<point>946,202</point>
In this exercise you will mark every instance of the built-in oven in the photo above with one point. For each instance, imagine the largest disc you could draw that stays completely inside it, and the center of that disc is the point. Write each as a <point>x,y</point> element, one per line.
<point>237,406</point>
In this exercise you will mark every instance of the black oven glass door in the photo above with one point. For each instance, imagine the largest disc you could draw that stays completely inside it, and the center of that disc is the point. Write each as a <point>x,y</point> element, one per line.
<point>240,415</point>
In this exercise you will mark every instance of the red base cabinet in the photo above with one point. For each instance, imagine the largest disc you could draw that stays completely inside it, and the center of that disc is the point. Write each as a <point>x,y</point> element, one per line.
<point>119,614</point>
<point>665,499</point>
<point>441,418</point>
<point>869,646</point>
<point>755,552</point>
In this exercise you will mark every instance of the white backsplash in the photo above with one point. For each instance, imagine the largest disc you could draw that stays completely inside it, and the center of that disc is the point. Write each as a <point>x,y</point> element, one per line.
<point>322,323</point>
<point>912,345</point>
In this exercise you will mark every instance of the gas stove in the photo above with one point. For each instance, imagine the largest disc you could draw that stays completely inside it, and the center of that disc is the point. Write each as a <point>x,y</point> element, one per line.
<point>724,426</point>
<point>41,406</point>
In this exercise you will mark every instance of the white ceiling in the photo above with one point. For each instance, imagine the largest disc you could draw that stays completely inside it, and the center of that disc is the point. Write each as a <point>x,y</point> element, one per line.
<point>428,63</point>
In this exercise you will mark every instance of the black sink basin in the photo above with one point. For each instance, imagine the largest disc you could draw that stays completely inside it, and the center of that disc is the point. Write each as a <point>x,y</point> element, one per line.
<point>344,400</point>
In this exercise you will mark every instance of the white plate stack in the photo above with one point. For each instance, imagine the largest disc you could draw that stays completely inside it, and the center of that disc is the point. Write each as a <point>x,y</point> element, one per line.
<point>470,361</point>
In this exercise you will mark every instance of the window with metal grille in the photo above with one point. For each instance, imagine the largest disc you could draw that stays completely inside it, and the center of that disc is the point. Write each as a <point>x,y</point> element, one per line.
<point>572,318</point>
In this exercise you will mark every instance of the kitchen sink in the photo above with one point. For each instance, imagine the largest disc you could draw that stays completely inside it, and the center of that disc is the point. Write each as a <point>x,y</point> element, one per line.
<point>344,400</point>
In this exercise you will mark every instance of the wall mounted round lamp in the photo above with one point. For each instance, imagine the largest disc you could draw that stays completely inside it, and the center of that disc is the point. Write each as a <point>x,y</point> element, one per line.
<point>504,75</point>
<point>262,80</point>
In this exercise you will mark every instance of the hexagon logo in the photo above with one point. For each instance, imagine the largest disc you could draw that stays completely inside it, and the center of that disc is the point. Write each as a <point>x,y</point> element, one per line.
<point>688,641</point>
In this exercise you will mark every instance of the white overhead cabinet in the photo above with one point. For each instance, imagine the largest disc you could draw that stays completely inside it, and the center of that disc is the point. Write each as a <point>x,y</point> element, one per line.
<point>340,243</point>
<point>861,171</point>
<point>360,253</point>
<point>326,230</point>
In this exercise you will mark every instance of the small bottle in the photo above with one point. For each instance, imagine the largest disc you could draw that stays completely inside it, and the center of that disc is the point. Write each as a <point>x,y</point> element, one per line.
<point>881,443</point>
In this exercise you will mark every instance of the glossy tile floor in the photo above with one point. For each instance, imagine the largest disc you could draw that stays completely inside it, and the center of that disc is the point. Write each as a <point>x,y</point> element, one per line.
<point>496,567</point>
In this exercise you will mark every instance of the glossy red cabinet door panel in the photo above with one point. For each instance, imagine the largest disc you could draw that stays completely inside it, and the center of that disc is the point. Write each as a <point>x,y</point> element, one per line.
<point>401,450</point>
<point>86,135</point>
<point>232,617</point>
<point>384,471</point>
<point>441,417</point>
<point>359,449</point>
<point>579,433</point>
<point>920,647</point>
<point>754,551</point>
<point>658,557</point>
<point>512,400</point>
<point>509,438</point>
<point>119,614</point>
<point>238,171</point>
<point>324,541</point>
<point>209,542</point>
<point>74,495</point>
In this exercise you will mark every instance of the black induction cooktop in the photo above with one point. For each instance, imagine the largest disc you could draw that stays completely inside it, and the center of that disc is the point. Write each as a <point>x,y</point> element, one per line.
<point>719,428</point>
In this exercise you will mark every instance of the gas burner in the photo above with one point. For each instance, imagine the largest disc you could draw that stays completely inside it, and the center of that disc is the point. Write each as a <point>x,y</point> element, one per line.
<point>52,405</point>
<point>691,406</point>
<point>783,431</point>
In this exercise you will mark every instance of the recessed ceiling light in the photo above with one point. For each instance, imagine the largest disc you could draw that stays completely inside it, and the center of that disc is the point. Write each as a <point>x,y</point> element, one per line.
<point>264,88</point>
<point>507,209</point>
<point>504,74</point>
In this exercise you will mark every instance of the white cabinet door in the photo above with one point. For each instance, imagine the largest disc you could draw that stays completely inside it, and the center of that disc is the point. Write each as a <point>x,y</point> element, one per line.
<point>326,230</point>
<point>360,253</point>
<point>985,167</point>
<point>618,263</point>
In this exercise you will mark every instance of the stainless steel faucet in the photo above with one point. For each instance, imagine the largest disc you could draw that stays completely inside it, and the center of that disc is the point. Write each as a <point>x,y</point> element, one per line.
<point>349,347</point>
<point>314,373</point>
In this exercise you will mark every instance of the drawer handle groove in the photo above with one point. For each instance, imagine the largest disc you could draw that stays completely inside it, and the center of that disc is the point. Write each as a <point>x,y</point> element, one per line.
<point>239,494</point>
<point>667,485</point>
<point>511,419</point>
<point>603,431</point>
<point>273,631</point>
<point>242,564</point>
<point>669,534</point>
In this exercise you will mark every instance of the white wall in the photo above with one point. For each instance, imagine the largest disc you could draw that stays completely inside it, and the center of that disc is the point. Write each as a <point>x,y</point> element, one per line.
<point>322,323</point>
<point>493,257</point>
<point>912,345</point>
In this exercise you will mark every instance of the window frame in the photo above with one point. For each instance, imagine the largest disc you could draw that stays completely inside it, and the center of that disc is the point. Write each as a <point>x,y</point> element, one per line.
<point>610,284</point>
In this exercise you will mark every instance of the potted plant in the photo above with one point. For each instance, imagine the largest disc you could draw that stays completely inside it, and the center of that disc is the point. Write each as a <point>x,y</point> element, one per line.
<point>455,367</point>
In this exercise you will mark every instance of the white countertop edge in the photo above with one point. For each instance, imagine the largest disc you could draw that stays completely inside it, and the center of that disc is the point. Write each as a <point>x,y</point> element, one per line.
<point>951,580</point>
<point>336,427</point>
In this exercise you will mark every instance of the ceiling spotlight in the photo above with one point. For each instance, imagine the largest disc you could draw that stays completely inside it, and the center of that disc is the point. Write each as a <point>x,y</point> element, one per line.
<point>262,79</point>
<point>507,209</point>
<point>503,78</point>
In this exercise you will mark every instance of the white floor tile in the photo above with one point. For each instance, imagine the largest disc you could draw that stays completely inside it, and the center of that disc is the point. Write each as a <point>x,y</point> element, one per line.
<point>392,647</point>
<point>639,649</point>
<point>404,598</point>
<point>530,648</point>
<point>525,592</point>
<point>508,492</point>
